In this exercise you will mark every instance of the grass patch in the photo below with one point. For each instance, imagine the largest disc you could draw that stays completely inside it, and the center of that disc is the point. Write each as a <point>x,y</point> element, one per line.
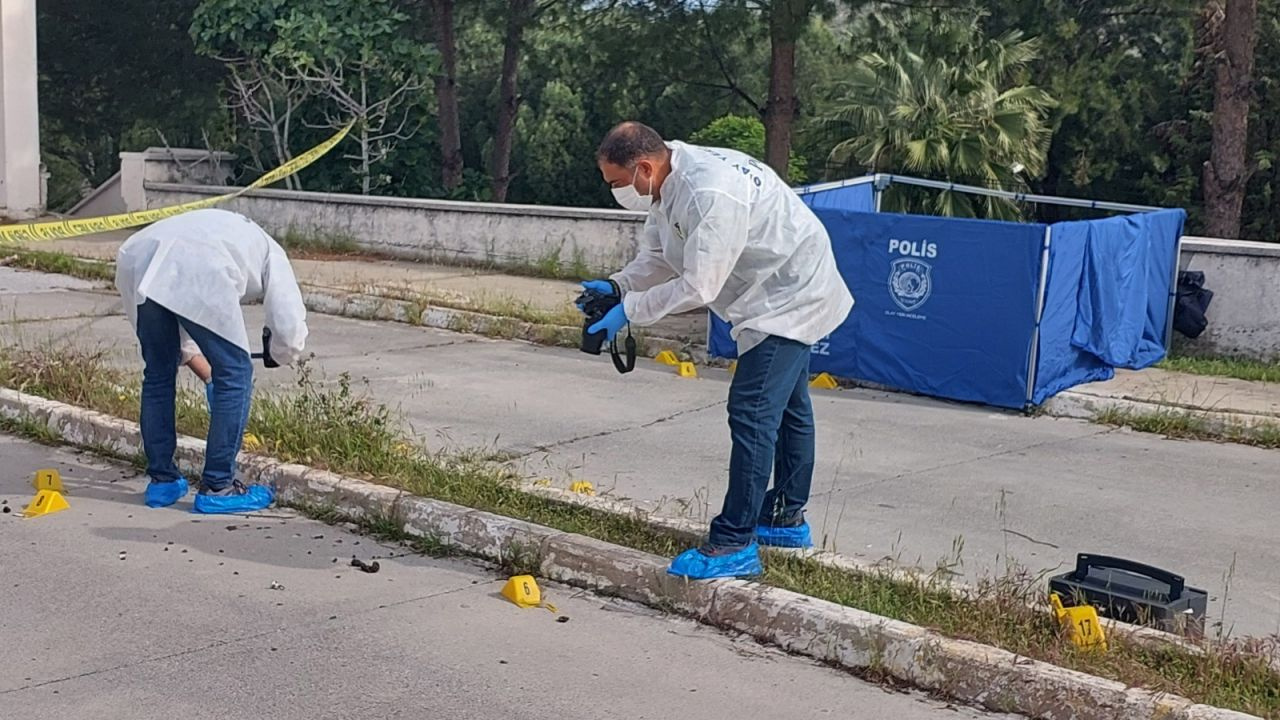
<point>551,265</point>
<point>320,242</point>
<point>1238,368</point>
<point>338,428</point>
<point>30,429</point>
<point>497,304</point>
<point>1188,425</point>
<point>61,264</point>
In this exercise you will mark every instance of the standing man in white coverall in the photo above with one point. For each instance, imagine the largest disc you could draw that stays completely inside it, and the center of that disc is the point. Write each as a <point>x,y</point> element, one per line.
<point>725,232</point>
<point>182,281</point>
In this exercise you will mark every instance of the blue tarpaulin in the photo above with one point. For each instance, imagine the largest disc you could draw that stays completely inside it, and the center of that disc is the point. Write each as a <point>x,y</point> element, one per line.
<point>1110,283</point>
<point>948,307</point>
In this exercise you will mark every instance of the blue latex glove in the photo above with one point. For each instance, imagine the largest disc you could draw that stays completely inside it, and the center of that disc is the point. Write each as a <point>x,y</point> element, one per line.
<point>613,321</point>
<point>604,287</point>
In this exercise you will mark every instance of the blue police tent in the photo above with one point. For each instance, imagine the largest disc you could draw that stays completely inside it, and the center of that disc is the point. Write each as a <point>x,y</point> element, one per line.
<point>999,313</point>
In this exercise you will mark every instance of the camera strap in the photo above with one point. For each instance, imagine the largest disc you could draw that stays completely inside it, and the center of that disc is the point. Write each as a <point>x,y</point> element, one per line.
<point>630,345</point>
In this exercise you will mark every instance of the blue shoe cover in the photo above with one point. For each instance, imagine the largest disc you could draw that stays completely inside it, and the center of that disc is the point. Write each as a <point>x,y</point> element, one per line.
<point>785,537</point>
<point>255,497</point>
<point>696,565</point>
<point>164,494</point>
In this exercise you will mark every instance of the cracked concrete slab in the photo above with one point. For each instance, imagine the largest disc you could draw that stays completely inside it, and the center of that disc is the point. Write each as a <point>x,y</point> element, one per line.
<point>17,282</point>
<point>56,305</point>
<point>164,633</point>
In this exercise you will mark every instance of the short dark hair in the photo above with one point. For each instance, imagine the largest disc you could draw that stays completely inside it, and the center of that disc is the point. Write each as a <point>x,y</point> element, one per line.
<point>628,142</point>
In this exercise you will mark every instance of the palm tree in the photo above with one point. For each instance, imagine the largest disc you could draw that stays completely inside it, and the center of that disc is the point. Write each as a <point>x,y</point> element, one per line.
<point>957,107</point>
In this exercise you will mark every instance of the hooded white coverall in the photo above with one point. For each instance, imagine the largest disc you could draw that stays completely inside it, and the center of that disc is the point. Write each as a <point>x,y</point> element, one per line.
<point>182,281</point>
<point>728,234</point>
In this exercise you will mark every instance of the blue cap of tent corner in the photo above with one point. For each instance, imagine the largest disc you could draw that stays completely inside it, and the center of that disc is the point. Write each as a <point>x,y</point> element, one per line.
<point>948,307</point>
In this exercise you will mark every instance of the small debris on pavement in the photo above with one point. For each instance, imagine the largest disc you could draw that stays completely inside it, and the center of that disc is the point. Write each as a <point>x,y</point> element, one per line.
<point>275,586</point>
<point>365,567</point>
<point>233,527</point>
<point>562,619</point>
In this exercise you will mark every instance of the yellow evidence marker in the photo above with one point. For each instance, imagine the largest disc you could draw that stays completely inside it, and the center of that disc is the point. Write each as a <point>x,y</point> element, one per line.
<point>666,357</point>
<point>1082,622</point>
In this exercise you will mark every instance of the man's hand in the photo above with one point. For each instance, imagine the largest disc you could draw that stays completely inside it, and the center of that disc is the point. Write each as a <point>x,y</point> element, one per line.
<point>603,287</point>
<point>613,321</point>
<point>200,366</point>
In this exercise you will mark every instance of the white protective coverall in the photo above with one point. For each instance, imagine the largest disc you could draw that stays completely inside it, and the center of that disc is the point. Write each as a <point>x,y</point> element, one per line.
<point>201,266</point>
<point>730,235</point>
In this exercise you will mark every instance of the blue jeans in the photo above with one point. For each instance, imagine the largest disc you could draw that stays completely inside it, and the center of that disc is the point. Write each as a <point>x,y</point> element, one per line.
<point>771,423</point>
<point>232,390</point>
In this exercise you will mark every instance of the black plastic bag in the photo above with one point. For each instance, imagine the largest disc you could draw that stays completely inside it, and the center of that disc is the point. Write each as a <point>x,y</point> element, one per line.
<point>1191,304</point>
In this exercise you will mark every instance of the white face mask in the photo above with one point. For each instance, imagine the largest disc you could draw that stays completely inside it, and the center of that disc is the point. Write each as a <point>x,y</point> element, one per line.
<point>629,198</point>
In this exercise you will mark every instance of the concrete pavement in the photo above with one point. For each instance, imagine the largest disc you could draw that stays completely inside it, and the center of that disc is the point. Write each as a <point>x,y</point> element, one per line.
<point>898,477</point>
<point>113,610</point>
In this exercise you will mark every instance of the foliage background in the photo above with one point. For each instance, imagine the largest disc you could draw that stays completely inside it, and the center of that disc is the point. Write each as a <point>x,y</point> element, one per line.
<point>1130,121</point>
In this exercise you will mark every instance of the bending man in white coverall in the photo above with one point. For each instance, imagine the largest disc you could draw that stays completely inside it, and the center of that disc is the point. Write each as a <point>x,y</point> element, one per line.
<point>182,281</point>
<point>725,232</point>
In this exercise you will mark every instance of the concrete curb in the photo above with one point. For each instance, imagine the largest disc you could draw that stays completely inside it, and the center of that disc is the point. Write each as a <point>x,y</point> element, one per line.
<point>1084,406</point>
<point>376,307</point>
<point>696,531</point>
<point>850,638</point>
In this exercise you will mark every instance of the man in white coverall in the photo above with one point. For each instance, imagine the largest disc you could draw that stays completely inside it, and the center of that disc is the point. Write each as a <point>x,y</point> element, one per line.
<point>725,232</point>
<point>182,281</point>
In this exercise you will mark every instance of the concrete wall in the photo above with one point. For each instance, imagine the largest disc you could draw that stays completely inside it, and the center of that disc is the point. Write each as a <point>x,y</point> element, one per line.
<point>438,230</point>
<point>1244,317</point>
<point>126,191</point>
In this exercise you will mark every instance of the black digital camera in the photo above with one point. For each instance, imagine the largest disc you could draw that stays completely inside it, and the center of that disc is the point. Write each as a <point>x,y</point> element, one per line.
<point>265,355</point>
<point>595,306</point>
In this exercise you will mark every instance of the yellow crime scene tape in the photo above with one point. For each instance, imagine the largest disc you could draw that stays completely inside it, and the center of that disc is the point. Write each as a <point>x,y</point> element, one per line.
<point>88,226</point>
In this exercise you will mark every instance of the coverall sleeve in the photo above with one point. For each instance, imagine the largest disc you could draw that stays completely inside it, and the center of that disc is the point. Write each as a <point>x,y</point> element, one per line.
<point>718,224</point>
<point>648,268</point>
<point>127,286</point>
<point>286,313</point>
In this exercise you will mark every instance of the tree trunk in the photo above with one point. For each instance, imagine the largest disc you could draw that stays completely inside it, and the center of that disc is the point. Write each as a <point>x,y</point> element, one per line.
<point>364,134</point>
<point>1227,173</point>
<point>518,16</point>
<point>447,94</point>
<point>786,21</point>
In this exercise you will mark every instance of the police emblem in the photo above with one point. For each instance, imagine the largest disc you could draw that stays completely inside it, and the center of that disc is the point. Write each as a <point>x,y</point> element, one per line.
<point>910,283</point>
